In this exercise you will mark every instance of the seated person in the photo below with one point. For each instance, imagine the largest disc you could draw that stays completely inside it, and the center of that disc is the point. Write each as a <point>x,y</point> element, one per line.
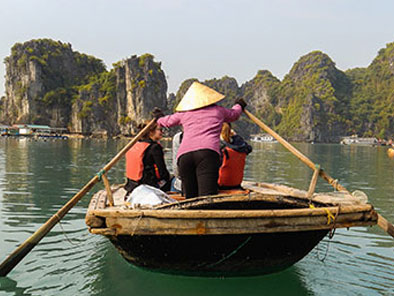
<point>233,150</point>
<point>176,181</point>
<point>145,162</point>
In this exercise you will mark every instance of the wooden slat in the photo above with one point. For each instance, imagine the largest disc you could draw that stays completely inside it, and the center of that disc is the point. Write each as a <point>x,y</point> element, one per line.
<point>108,190</point>
<point>179,203</point>
<point>329,198</point>
<point>218,214</point>
<point>170,226</point>
<point>90,219</point>
<point>313,183</point>
<point>103,231</point>
<point>252,197</point>
<point>280,188</point>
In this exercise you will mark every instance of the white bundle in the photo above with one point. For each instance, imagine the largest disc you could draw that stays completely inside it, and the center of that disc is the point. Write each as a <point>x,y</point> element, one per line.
<point>148,196</point>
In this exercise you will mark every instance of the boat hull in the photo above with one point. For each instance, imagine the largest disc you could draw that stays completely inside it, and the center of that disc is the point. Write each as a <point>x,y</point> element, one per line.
<point>261,230</point>
<point>217,255</point>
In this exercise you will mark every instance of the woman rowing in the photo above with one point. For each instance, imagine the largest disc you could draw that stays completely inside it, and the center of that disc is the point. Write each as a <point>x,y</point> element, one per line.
<point>198,156</point>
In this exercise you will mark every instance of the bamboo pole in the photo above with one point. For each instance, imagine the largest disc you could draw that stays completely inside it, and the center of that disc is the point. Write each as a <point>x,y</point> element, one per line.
<point>22,250</point>
<point>382,222</point>
<point>108,190</point>
<point>312,185</point>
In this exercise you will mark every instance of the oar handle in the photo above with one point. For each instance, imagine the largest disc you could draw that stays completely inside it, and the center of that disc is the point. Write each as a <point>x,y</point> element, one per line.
<point>22,250</point>
<point>382,222</point>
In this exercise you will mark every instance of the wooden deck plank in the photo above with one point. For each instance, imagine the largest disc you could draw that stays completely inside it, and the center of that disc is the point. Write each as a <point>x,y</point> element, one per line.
<point>167,226</point>
<point>218,214</point>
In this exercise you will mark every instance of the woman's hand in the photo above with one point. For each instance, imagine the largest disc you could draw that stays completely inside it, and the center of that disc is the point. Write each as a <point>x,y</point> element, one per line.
<point>241,102</point>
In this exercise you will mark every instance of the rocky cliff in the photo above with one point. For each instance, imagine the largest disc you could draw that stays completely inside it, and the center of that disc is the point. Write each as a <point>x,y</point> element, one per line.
<point>40,76</point>
<point>260,93</point>
<point>116,102</point>
<point>47,82</point>
<point>310,104</point>
<point>372,102</point>
<point>314,99</point>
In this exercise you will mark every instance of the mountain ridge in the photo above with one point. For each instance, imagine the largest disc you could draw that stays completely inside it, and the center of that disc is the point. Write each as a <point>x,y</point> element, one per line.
<point>49,83</point>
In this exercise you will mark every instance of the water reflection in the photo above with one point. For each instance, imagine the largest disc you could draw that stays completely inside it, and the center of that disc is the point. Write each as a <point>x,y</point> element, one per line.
<point>139,282</point>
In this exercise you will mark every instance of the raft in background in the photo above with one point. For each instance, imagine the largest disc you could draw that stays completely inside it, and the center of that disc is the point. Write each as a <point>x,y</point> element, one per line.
<point>263,229</point>
<point>34,131</point>
<point>262,138</point>
<point>355,140</point>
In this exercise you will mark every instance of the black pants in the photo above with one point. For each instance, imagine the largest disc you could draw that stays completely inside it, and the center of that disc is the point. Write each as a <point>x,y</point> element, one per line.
<point>199,172</point>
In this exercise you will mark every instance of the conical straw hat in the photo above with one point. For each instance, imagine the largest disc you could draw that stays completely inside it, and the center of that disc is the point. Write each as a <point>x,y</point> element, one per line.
<point>198,96</point>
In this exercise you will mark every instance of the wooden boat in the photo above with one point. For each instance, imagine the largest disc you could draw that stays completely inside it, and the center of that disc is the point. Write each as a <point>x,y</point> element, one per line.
<point>262,229</point>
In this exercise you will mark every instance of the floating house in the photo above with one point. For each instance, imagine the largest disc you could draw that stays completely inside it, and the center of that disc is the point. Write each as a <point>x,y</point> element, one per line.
<point>30,130</point>
<point>355,140</point>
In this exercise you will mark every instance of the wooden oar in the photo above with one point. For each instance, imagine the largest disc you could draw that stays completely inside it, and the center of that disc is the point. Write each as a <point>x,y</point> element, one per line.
<point>382,222</point>
<point>15,257</point>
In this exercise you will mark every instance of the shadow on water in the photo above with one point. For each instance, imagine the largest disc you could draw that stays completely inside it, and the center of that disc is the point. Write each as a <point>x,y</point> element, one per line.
<point>124,277</point>
<point>8,285</point>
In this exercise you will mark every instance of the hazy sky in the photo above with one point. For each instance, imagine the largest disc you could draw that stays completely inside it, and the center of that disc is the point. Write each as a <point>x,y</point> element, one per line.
<point>205,39</point>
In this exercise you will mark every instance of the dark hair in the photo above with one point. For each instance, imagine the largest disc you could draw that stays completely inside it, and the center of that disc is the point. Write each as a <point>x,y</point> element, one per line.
<point>142,125</point>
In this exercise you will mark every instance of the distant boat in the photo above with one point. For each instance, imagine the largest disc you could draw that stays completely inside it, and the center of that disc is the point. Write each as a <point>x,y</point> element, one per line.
<point>355,140</point>
<point>263,138</point>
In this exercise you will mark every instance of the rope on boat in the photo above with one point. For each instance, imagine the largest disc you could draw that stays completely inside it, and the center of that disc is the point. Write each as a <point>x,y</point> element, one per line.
<point>231,254</point>
<point>65,235</point>
<point>330,216</point>
<point>330,236</point>
<point>325,254</point>
<point>333,228</point>
<point>138,222</point>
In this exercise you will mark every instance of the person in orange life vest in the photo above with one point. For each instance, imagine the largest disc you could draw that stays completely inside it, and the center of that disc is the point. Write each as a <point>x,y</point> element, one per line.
<point>145,163</point>
<point>233,151</point>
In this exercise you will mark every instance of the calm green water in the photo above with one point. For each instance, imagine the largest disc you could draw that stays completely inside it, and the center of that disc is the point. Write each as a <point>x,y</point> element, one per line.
<point>37,178</point>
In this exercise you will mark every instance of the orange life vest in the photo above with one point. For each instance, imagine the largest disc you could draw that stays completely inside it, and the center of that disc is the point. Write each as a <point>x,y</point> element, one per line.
<point>231,173</point>
<point>134,161</point>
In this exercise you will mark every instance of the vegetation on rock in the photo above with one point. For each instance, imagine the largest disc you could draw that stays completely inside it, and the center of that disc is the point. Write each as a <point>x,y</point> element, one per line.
<point>48,82</point>
<point>61,68</point>
<point>372,103</point>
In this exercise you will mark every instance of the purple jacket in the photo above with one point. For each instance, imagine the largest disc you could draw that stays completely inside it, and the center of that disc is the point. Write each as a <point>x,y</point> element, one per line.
<point>201,127</point>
